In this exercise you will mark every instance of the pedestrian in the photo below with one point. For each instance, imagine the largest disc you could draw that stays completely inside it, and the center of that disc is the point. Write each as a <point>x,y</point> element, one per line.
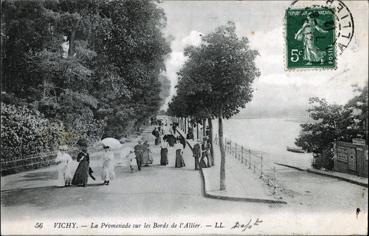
<point>156,134</point>
<point>80,177</point>
<point>197,155</point>
<point>146,157</point>
<point>174,127</point>
<point>138,149</point>
<point>108,166</point>
<point>189,134</point>
<point>209,157</point>
<point>179,156</point>
<point>170,139</point>
<point>164,154</point>
<point>182,140</point>
<point>64,167</point>
<point>204,162</point>
<point>130,157</point>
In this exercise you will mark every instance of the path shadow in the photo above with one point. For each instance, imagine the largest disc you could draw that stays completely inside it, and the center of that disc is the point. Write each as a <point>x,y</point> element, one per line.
<point>49,188</point>
<point>42,174</point>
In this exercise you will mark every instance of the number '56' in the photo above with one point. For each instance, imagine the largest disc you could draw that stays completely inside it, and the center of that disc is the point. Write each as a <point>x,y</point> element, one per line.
<point>295,55</point>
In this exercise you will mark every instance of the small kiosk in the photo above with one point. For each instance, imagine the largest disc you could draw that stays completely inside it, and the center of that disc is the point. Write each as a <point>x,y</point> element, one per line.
<point>351,157</point>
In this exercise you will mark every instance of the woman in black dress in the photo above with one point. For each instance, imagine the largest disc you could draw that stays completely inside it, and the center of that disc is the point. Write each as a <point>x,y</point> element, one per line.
<point>80,177</point>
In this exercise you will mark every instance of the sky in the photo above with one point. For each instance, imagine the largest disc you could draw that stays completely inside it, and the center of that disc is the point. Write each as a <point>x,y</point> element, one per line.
<point>262,22</point>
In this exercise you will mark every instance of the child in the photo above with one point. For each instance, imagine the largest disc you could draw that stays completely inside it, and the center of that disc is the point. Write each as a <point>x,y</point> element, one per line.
<point>65,161</point>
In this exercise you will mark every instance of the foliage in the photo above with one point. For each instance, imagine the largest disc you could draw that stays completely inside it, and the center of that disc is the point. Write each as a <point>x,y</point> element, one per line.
<point>131,55</point>
<point>334,122</point>
<point>26,132</point>
<point>108,83</point>
<point>331,123</point>
<point>216,80</point>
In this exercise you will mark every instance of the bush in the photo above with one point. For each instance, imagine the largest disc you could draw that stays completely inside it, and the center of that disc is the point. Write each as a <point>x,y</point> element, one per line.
<point>26,132</point>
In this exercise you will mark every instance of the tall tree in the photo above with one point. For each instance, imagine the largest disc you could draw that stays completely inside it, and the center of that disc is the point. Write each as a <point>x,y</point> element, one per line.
<point>219,74</point>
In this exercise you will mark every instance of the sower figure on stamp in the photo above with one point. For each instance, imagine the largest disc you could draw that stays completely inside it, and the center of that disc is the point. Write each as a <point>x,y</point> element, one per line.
<point>307,34</point>
<point>139,154</point>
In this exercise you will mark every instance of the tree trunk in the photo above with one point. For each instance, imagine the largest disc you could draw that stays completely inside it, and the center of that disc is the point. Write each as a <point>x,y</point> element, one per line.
<point>203,128</point>
<point>71,43</point>
<point>72,46</point>
<point>197,130</point>
<point>185,124</point>
<point>210,123</point>
<point>222,153</point>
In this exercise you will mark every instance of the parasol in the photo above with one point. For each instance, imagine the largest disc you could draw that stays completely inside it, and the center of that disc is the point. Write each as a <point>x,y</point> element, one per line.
<point>111,142</point>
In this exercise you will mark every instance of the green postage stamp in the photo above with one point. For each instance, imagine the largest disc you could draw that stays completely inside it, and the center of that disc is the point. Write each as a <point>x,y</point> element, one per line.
<point>310,38</point>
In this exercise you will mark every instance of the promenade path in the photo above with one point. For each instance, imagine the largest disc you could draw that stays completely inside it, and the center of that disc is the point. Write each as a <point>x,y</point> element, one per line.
<point>167,194</point>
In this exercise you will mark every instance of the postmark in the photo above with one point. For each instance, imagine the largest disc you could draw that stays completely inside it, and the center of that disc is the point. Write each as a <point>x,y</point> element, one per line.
<point>310,38</point>
<point>344,21</point>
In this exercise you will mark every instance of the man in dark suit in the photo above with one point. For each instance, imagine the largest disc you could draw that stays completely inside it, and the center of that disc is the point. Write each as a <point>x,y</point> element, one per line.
<point>139,154</point>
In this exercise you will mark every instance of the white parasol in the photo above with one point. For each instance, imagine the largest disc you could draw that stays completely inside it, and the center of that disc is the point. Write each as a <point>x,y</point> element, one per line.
<point>111,142</point>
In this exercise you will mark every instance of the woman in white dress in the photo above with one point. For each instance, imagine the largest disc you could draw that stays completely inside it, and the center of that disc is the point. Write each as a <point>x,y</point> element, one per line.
<point>108,166</point>
<point>64,167</point>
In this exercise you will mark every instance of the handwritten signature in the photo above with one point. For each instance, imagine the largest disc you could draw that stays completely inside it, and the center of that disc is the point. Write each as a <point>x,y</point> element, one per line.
<point>249,225</point>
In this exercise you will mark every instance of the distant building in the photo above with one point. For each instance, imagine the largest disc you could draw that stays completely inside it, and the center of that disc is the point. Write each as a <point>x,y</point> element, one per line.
<point>351,157</point>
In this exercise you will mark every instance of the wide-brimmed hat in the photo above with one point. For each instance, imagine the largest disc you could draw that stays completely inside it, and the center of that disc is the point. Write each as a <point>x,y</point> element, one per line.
<point>82,142</point>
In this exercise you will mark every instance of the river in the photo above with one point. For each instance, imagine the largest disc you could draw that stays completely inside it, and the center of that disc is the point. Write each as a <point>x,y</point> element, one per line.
<point>270,136</point>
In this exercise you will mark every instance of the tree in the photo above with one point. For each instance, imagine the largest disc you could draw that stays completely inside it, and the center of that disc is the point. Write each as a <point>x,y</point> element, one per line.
<point>218,74</point>
<point>109,82</point>
<point>332,122</point>
<point>131,53</point>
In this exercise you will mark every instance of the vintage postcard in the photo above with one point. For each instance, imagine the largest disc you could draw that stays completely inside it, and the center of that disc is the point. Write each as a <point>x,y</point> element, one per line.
<point>174,117</point>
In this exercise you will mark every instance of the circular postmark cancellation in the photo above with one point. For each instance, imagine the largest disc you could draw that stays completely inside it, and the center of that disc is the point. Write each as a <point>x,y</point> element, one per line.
<point>316,31</point>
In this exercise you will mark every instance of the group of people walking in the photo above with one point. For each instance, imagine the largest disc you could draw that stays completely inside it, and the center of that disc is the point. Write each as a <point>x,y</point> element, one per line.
<point>201,154</point>
<point>83,171</point>
<point>165,141</point>
<point>142,153</point>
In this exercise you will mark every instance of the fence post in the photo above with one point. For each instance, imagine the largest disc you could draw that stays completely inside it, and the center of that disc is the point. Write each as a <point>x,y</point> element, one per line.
<point>261,165</point>
<point>249,158</point>
<point>235,150</point>
<point>241,154</point>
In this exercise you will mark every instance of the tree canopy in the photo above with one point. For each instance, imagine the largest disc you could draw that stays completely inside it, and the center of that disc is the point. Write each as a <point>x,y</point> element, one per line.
<point>216,79</point>
<point>108,85</point>
<point>332,122</point>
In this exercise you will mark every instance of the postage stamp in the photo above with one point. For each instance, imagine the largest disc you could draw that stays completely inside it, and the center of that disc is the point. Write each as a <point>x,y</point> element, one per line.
<point>310,38</point>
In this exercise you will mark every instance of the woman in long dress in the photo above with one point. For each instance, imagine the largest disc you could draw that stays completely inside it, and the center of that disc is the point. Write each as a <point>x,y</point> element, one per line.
<point>146,158</point>
<point>164,153</point>
<point>80,177</point>
<point>204,158</point>
<point>64,167</point>
<point>179,155</point>
<point>108,166</point>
